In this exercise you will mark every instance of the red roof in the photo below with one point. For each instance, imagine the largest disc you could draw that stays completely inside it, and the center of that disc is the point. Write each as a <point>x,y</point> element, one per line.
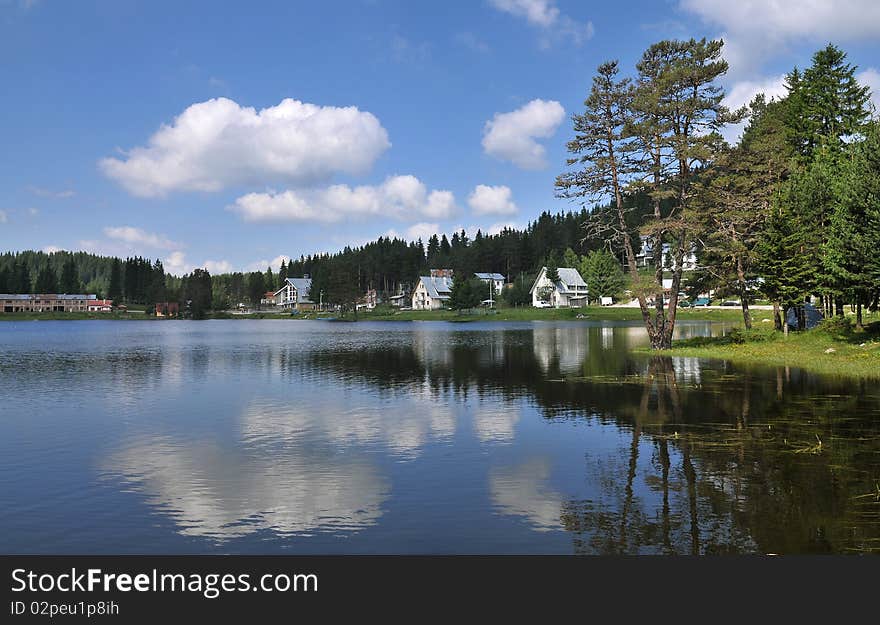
<point>100,302</point>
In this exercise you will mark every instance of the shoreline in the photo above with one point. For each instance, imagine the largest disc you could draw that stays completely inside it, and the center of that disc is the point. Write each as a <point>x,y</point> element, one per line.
<point>594,313</point>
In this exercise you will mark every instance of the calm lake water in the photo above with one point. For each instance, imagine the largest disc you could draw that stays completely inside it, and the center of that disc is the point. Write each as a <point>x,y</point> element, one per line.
<point>318,437</point>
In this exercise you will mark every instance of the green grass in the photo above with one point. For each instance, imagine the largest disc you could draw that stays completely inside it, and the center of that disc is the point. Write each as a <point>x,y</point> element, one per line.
<point>71,316</point>
<point>601,313</point>
<point>832,349</point>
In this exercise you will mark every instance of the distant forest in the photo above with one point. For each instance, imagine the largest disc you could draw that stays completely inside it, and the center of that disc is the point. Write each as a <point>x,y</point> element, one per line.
<point>385,264</point>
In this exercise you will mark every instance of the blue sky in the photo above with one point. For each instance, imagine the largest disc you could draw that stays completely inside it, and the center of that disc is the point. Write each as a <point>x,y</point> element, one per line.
<point>232,134</point>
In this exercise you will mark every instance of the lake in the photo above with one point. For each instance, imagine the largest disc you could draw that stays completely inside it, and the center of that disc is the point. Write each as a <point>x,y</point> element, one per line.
<point>278,436</point>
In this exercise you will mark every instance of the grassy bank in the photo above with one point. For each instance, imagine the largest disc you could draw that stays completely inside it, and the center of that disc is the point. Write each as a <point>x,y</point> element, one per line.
<point>832,349</point>
<point>601,313</point>
<point>606,313</point>
<point>71,316</point>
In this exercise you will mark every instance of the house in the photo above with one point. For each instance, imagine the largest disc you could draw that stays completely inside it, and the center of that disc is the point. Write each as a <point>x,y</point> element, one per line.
<point>569,291</point>
<point>268,299</point>
<point>167,309</point>
<point>645,257</point>
<point>495,282</point>
<point>100,305</point>
<point>295,294</point>
<point>432,292</point>
<point>369,300</point>
<point>402,299</point>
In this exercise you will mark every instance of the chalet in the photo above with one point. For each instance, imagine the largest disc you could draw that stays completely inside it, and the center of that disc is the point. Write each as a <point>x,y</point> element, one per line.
<point>432,292</point>
<point>295,294</point>
<point>569,291</point>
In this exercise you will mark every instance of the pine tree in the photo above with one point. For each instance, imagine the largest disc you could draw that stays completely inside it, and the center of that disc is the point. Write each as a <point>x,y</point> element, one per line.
<point>69,282</point>
<point>114,289</point>
<point>830,103</point>
<point>603,275</point>
<point>46,281</point>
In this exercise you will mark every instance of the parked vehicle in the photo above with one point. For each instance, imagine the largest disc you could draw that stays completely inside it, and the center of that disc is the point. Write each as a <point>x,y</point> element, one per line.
<point>730,302</point>
<point>700,301</point>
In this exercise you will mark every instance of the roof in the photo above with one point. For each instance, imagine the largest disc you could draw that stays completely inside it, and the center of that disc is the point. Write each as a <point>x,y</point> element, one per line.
<point>63,296</point>
<point>438,288</point>
<point>101,302</point>
<point>571,277</point>
<point>302,286</point>
<point>568,277</point>
<point>489,276</point>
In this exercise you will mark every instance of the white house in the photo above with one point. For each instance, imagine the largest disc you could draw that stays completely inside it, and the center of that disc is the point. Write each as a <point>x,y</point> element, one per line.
<point>495,282</point>
<point>646,256</point>
<point>295,294</point>
<point>570,290</point>
<point>431,293</point>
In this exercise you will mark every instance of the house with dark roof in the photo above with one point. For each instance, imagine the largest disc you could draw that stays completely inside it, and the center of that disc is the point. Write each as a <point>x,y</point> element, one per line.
<point>295,294</point>
<point>569,291</point>
<point>432,292</point>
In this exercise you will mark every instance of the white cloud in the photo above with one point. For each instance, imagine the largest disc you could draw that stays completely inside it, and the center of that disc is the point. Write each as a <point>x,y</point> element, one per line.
<point>3,217</point>
<point>755,29</point>
<point>61,195</point>
<point>261,265</point>
<point>743,92</point>
<point>498,227</point>
<point>138,237</point>
<point>217,266</point>
<point>512,136</point>
<point>33,212</point>
<point>486,200</point>
<point>871,78</point>
<point>176,264</point>
<point>422,231</point>
<point>399,197</point>
<point>217,144</point>
<point>544,14</point>
<point>51,249</point>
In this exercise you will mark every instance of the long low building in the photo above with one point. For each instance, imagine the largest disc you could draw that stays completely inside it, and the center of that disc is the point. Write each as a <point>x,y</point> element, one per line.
<point>45,302</point>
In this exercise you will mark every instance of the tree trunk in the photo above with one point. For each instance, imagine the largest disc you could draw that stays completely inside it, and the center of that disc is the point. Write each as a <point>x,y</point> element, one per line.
<point>777,318</point>
<point>859,325</point>
<point>744,302</point>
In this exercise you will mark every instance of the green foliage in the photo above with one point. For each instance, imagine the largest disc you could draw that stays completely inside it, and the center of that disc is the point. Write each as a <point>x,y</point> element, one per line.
<point>603,275</point>
<point>46,281</point>
<point>467,293</point>
<point>518,293</point>
<point>197,293</point>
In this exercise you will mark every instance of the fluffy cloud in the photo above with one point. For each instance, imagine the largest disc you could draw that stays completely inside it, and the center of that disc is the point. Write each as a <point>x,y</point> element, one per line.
<point>176,264</point>
<point>743,92</point>
<point>137,237</point>
<point>545,15</point>
<point>217,144</point>
<point>218,266</point>
<point>3,217</point>
<point>512,136</point>
<point>871,78</point>
<point>51,249</point>
<point>486,200</point>
<point>261,265</point>
<point>422,231</point>
<point>398,197</point>
<point>755,29</point>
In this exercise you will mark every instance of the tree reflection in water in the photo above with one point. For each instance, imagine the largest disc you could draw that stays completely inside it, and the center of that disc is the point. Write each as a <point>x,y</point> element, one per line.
<point>733,464</point>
